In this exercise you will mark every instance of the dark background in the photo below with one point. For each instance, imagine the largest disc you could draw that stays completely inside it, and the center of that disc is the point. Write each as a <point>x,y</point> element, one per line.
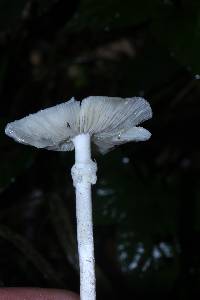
<point>146,202</point>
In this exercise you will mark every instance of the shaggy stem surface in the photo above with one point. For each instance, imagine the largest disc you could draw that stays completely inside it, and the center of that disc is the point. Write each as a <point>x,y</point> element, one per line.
<point>84,174</point>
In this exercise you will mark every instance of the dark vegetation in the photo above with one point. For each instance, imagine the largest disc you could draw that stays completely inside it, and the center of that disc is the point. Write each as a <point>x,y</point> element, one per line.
<point>146,201</point>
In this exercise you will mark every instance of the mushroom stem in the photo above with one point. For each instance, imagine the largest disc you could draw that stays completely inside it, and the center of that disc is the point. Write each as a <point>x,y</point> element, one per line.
<point>84,174</point>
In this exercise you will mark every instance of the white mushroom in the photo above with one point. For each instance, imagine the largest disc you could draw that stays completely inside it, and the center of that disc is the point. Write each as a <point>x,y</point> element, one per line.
<point>107,122</point>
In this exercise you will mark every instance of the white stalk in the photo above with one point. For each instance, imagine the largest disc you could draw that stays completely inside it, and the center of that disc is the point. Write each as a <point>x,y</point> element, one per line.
<point>112,121</point>
<point>84,174</point>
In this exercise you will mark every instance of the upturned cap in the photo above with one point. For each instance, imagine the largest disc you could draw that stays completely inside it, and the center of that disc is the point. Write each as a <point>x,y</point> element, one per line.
<point>110,121</point>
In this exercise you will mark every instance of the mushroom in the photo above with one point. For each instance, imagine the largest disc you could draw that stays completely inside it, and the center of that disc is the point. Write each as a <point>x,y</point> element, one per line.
<point>107,122</point>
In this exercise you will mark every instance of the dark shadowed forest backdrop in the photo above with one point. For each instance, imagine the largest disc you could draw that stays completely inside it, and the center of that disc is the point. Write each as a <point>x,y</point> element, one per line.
<point>147,199</point>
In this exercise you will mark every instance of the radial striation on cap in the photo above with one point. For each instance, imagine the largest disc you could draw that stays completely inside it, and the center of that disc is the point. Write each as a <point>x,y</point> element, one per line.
<point>110,121</point>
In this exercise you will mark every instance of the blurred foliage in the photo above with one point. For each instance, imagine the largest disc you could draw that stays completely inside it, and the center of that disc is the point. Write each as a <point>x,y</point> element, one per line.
<point>146,201</point>
<point>174,23</point>
<point>12,162</point>
<point>9,12</point>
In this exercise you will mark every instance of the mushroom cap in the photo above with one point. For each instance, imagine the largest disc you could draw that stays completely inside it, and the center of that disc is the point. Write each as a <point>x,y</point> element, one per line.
<point>110,121</point>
